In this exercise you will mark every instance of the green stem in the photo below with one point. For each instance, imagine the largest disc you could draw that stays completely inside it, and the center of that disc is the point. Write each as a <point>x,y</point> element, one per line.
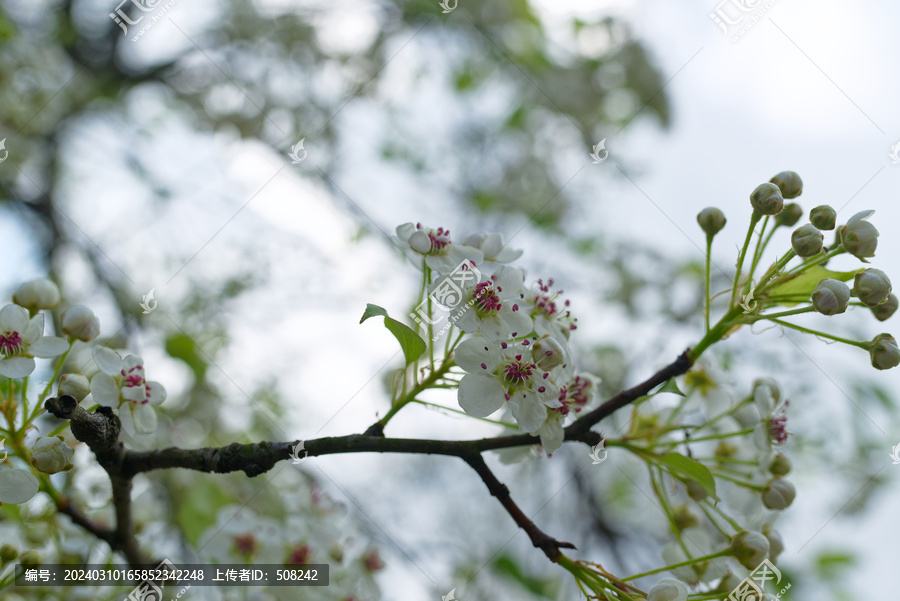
<point>820,258</point>
<point>58,369</point>
<point>689,562</point>
<point>863,344</point>
<point>754,318</point>
<point>716,333</point>
<point>429,382</point>
<point>709,241</point>
<point>760,246</point>
<point>754,219</point>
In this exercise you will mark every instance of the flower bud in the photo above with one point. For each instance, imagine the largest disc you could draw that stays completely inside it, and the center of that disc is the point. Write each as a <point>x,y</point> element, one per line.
<point>776,544</point>
<point>767,199</point>
<point>872,287</point>
<point>884,310</point>
<point>859,237</point>
<point>789,183</point>
<point>31,558</point>
<point>779,494</point>
<point>884,352</point>
<point>781,465</point>
<point>807,241</point>
<point>685,518</point>
<point>823,217</point>
<point>8,553</point>
<point>548,353</point>
<point>789,216</point>
<point>50,454</point>
<point>831,297</point>
<point>668,589</point>
<point>36,295</point>
<point>81,323</point>
<point>74,385</point>
<point>711,220</point>
<point>750,548</point>
<point>695,491</point>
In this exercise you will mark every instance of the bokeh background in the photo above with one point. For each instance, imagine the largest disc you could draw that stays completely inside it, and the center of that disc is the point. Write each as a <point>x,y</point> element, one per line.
<point>163,163</point>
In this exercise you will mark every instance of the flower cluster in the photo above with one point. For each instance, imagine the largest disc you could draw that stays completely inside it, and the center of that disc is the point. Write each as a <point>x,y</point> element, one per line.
<point>516,352</point>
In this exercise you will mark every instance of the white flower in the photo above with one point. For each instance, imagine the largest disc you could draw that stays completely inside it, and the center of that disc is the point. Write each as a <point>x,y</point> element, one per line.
<point>36,295</point>
<point>74,385</point>
<point>505,373</point>
<point>772,410</point>
<point>122,382</point>
<point>441,254</point>
<point>668,589</point>
<point>551,432</point>
<point>81,323</point>
<point>50,454</point>
<point>494,306</point>
<point>493,247</point>
<point>550,316</point>
<point>22,339</point>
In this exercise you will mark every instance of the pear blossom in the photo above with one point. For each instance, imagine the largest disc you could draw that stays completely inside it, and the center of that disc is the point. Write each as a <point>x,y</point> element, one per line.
<point>505,373</point>
<point>36,295</point>
<point>122,382</point>
<point>51,454</point>
<point>550,316</point>
<point>441,254</point>
<point>494,305</point>
<point>495,251</point>
<point>22,339</point>
<point>772,411</point>
<point>81,323</point>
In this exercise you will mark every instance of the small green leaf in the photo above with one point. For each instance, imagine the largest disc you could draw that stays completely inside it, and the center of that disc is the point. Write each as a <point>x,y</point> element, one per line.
<point>803,284</point>
<point>372,311</point>
<point>411,343</point>
<point>684,467</point>
<point>672,387</point>
<point>181,346</point>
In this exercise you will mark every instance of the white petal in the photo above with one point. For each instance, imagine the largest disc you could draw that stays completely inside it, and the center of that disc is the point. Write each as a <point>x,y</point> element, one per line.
<point>510,279</point>
<point>528,410</point>
<point>491,246</point>
<point>517,321</point>
<point>34,329</point>
<point>145,419</point>
<point>133,361</point>
<point>134,393</point>
<point>48,346</point>
<point>552,434</point>
<point>105,390</point>
<point>16,367</point>
<point>508,255</point>
<point>405,231</point>
<point>472,353</point>
<point>17,486</point>
<point>861,215</point>
<point>480,395</point>
<point>13,318</point>
<point>476,239</point>
<point>157,393</point>
<point>127,419</point>
<point>108,360</point>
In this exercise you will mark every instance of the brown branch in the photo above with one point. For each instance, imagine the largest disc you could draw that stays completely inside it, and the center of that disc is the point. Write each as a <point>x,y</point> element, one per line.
<point>100,430</point>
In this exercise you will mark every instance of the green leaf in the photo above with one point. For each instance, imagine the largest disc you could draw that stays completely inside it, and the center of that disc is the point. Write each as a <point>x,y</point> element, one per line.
<point>507,566</point>
<point>411,343</point>
<point>372,311</point>
<point>672,387</point>
<point>684,467</point>
<point>197,511</point>
<point>804,283</point>
<point>181,346</point>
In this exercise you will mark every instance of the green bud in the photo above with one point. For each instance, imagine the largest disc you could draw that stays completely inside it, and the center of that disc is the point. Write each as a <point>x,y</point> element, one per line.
<point>767,199</point>
<point>789,216</point>
<point>859,237</point>
<point>884,310</point>
<point>695,491</point>
<point>711,220</point>
<point>823,217</point>
<point>749,548</point>
<point>807,241</point>
<point>8,553</point>
<point>789,183</point>
<point>685,518</point>
<point>31,558</point>
<point>872,287</point>
<point>884,352</point>
<point>779,494</point>
<point>831,297</point>
<point>781,465</point>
